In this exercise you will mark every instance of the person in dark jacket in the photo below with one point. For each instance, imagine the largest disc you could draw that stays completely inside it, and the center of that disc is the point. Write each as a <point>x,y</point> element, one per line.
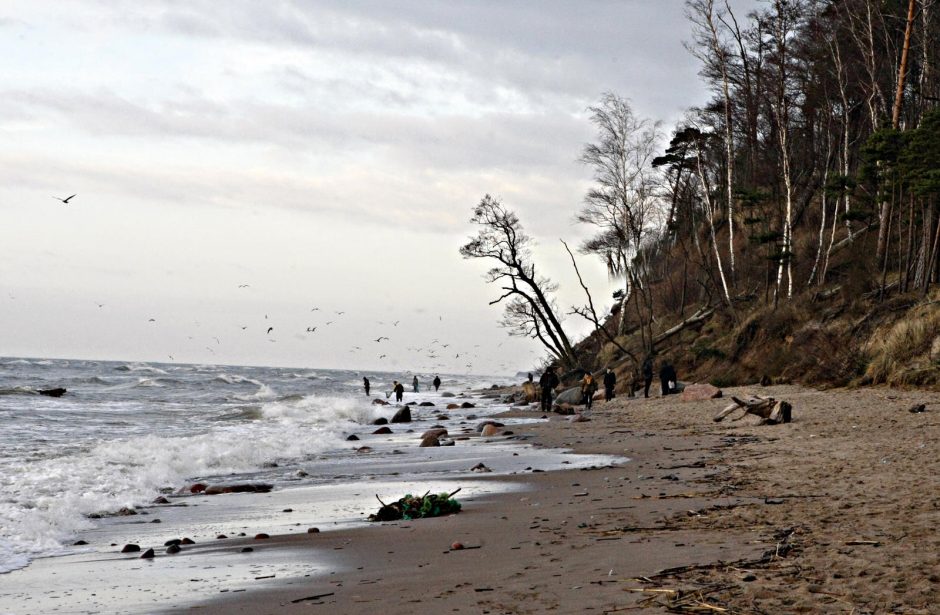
<point>667,379</point>
<point>588,388</point>
<point>610,381</point>
<point>414,384</point>
<point>547,383</point>
<point>365,384</point>
<point>647,375</point>
<point>437,383</point>
<point>399,390</point>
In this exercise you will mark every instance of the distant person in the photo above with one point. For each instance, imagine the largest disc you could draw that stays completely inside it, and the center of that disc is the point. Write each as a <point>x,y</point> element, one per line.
<point>436,383</point>
<point>399,390</point>
<point>647,375</point>
<point>547,383</point>
<point>414,384</point>
<point>365,384</point>
<point>610,381</point>
<point>588,388</point>
<point>530,377</point>
<point>667,378</point>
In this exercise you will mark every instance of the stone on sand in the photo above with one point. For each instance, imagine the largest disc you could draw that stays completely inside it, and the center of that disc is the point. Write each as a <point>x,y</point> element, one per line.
<point>699,392</point>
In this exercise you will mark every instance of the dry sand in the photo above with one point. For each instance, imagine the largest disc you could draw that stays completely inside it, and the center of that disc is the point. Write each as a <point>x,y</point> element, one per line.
<point>753,519</point>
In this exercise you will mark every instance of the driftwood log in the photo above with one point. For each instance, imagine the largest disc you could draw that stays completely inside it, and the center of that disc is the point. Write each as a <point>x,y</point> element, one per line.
<point>768,409</point>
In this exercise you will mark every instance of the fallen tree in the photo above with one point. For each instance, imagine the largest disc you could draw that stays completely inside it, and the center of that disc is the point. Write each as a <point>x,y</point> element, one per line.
<point>768,409</point>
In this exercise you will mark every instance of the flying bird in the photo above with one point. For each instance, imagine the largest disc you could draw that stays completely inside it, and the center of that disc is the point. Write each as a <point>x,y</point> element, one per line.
<point>65,200</point>
<point>101,305</point>
<point>395,324</point>
<point>243,285</point>
<point>329,322</point>
<point>311,329</point>
<point>379,339</point>
<point>152,320</point>
<point>270,329</point>
<point>381,356</point>
<point>339,313</point>
<point>316,309</point>
<point>216,340</point>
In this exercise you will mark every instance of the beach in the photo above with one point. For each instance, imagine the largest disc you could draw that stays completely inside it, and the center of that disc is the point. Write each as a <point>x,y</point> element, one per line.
<point>834,512</point>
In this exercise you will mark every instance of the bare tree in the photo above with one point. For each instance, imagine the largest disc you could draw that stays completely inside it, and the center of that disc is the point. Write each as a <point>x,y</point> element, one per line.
<point>622,201</point>
<point>530,311</point>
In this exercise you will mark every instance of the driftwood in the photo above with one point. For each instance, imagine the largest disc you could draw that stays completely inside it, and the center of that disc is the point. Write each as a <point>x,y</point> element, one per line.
<point>700,316</point>
<point>768,409</point>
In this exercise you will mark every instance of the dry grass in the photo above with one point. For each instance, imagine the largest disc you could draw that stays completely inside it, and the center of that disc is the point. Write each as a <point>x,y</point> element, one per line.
<point>899,354</point>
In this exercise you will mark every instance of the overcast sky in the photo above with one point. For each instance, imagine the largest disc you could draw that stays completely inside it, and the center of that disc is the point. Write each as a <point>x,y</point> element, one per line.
<point>325,153</point>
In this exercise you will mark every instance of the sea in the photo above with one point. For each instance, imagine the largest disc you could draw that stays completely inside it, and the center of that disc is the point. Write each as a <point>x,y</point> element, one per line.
<point>126,433</point>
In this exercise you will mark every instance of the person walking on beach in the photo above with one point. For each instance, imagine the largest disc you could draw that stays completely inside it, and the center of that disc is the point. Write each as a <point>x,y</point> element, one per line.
<point>414,384</point>
<point>647,375</point>
<point>610,380</point>
<point>667,378</point>
<point>399,390</point>
<point>365,384</point>
<point>588,388</point>
<point>547,383</point>
<point>437,383</point>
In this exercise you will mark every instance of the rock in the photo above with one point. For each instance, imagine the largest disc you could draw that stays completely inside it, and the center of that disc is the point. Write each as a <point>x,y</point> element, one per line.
<point>197,488</point>
<point>382,430</point>
<point>247,550</point>
<point>429,441</point>
<point>481,425</point>
<point>409,403</point>
<point>402,416</point>
<point>130,548</point>
<point>187,541</point>
<point>155,521</point>
<point>443,417</point>
<point>173,549</point>
<point>288,510</point>
<point>161,500</point>
<point>578,418</point>
<point>489,431</point>
<point>221,537</point>
<point>765,380</point>
<point>563,409</point>
<point>448,443</point>
<point>437,433</point>
<point>261,536</point>
<point>364,449</point>
<point>470,417</point>
<point>457,546</point>
<point>379,402</point>
<point>447,394</point>
<point>699,392</point>
<point>302,474</point>
<point>480,467</point>
<point>380,421</point>
<point>240,488</point>
<point>453,406</point>
<point>79,543</point>
<point>352,438</point>
<point>467,404</point>
<point>918,408</point>
<point>569,396</point>
<point>148,554</point>
<point>57,392</point>
<point>313,530</point>
<point>426,404</point>
<point>126,512</point>
<point>170,543</point>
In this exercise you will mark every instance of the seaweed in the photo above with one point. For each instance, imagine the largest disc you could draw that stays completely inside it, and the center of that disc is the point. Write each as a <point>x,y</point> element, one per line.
<point>412,507</point>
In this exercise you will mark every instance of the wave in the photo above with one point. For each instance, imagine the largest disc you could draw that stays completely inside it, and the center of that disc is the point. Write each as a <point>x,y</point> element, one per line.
<point>236,379</point>
<point>139,367</point>
<point>19,391</point>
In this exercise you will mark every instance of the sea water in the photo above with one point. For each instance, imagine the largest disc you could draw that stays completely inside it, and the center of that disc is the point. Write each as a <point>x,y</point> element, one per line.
<point>126,432</point>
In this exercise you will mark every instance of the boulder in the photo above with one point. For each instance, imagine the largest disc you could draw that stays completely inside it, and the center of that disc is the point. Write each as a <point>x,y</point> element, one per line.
<point>448,443</point>
<point>173,549</point>
<point>352,438</point>
<point>261,536</point>
<point>467,404</point>
<point>480,467</point>
<point>196,488</point>
<point>480,426</point>
<point>443,417</point>
<point>437,433</point>
<point>364,449</point>
<point>402,416</point>
<point>429,441</point>
<point>57,392</point>
<point>382,431</point>
<point>379,402</point>
<point>187,541</point>
<point>380,421</point>
<point>698,392</point>
<point>570,396</point>
<point>453,406</point>
<point>426,404</point>
<point>578,418</point>
<point>161,500</point>
<point>130,548</point>
<point>489,430</point>
<point>564,409</point>
<point>447,394</point>
<point>148,554</point>
<point>313,530</point>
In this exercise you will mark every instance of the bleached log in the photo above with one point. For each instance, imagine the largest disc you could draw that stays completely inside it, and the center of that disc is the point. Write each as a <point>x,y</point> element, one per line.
<point>694,319</point>
<point>768,409</point>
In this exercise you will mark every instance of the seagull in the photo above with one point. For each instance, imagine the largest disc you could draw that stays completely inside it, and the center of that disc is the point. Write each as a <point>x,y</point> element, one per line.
<point>152,320</point>
<point>311,329</point>
<point>209,348</point>
<point>316,309</point>
<point>381,356</point>
<point>65,200</point>
<point>171,357</point>
<point>395,324</point>
<point>329,322</point>
<point>101,305</point>
<point>245,327</point>
<point>270,329</point>
<point>379,339</point>
<point>339,313</point>
<point>216,340</point>
<point>243,285</point>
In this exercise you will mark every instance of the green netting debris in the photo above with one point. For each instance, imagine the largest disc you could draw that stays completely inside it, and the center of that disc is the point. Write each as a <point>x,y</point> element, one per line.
<point>417,507</point>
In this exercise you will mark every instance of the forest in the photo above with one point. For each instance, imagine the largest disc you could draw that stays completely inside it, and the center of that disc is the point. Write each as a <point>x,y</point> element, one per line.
<point>787,230</point>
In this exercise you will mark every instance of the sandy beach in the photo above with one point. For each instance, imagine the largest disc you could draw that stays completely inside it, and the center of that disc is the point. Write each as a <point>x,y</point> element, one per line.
<point>832,513</point>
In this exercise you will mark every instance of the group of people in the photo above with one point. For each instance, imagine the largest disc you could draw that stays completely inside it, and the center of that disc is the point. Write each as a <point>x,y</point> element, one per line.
<point>398,388</point>
<point>667,377</point>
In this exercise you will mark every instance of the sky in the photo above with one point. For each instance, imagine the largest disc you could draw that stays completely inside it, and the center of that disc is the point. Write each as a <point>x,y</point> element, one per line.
<point>243,166</point>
